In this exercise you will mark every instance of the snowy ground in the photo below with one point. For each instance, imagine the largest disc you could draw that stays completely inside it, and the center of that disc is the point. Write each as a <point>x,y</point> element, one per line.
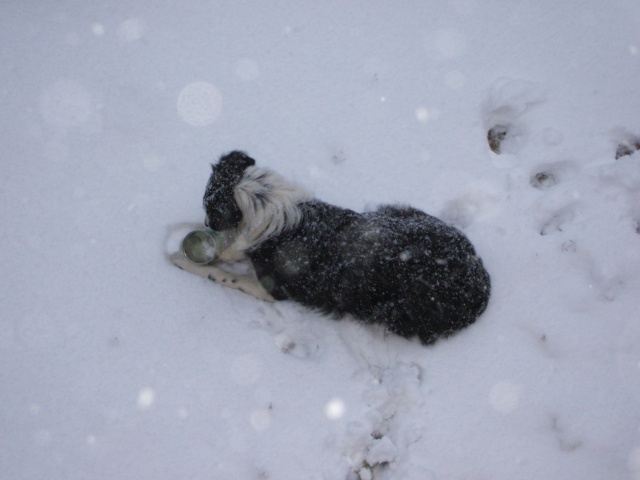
<point>114,364</point>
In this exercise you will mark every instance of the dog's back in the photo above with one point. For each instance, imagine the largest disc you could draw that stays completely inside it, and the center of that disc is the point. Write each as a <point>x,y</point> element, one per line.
<point>396,266</point>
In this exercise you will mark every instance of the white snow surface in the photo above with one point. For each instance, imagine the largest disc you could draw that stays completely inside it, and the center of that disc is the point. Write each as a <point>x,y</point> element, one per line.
<point>114,364</point>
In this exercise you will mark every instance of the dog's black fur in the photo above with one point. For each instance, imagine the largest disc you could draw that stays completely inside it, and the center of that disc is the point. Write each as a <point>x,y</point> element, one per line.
<point>395,266</point>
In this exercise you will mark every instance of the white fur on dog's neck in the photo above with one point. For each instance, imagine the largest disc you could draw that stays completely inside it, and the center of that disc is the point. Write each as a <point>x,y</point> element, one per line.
<point>269,205</point>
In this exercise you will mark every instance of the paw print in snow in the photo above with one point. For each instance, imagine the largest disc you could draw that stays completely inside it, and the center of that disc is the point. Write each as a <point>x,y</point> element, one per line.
<point>543,180</point>
<point>557,220</point>
<point>299,344</point>
<point>550,174</point>
<point>375,442</point>
<point>508,101</point>
<point>495,137</point>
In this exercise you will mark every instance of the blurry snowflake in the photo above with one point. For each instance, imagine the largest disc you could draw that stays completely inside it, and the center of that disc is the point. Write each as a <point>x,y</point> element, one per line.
<point>199,104</point>
<point>131,30</point>
<point>335,408</point>
<point>146,397</point>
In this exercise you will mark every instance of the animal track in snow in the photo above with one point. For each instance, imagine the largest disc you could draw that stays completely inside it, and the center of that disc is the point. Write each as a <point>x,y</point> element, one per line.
<point>557,220</point>
<point>506,104</point>
<point>291,336</point>
<point>376,440</point>
<point>298,344</point>
<point>547,175</point>
<point>543,180</point>
<point>495,137</point>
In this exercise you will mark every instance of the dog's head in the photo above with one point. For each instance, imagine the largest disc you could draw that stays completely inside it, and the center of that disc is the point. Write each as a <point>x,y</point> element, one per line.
<point>222,211</point>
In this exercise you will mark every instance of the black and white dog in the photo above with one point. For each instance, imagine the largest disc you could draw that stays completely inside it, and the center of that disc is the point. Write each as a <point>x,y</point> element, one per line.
<point>396,266</point>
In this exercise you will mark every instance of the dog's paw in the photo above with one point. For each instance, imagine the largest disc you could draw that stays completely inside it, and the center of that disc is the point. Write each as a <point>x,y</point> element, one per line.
<point>218,275</point>
<point>245,283</point>
<point>260,294</point>
<point>178,260</point>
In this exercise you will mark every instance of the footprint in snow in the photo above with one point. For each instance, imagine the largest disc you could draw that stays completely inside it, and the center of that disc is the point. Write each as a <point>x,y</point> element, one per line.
<point>298,344</point>
<point>291,334</point>
<point>508,101</point>
<point>375,441</point>
<point>557,221</point>
<point>547,175</point>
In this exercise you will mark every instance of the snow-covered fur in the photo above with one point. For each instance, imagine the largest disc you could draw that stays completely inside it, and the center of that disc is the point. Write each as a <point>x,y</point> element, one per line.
<point>396,266</point>
<point>268,204</point>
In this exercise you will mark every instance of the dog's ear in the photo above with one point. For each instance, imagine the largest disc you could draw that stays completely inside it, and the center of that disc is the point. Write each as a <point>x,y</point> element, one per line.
<point>227,173</point>
<point>236,162</point>
<point>219,203</point>
<point>222,211</point>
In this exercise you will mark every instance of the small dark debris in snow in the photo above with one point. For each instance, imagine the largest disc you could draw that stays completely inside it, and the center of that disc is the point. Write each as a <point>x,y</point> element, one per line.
<point>628,147</point>
<point>495,136</point>
<point>543,180</point>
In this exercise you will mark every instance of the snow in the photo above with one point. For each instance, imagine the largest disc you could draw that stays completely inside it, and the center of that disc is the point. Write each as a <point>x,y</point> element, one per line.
<point>114,364</point>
